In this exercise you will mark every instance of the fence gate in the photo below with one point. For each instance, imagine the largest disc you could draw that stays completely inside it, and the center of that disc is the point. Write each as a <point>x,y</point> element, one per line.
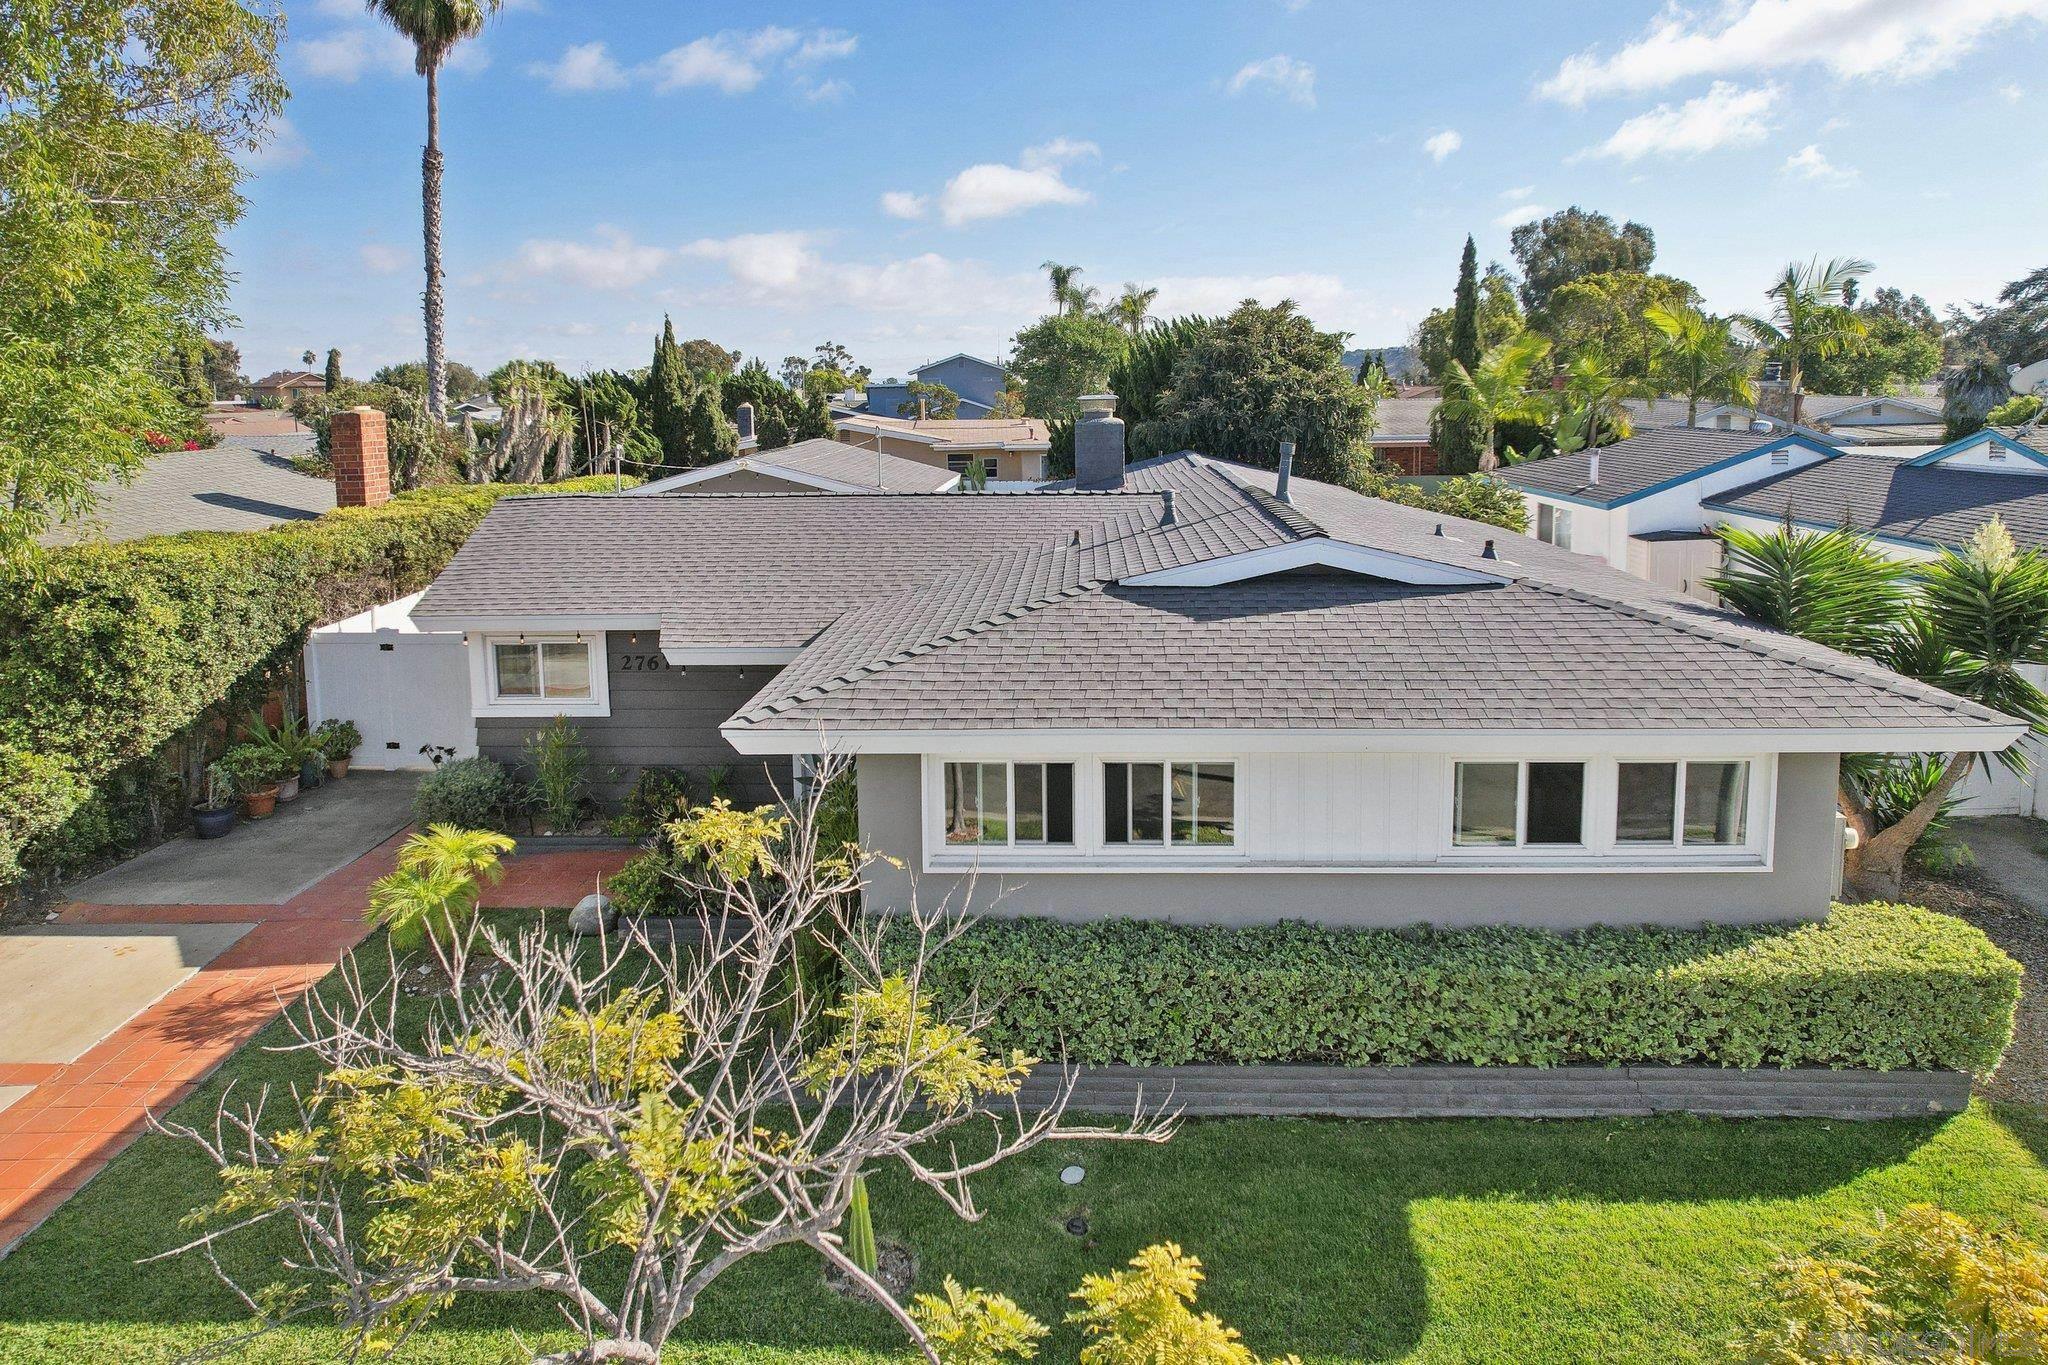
<point>405,689</point>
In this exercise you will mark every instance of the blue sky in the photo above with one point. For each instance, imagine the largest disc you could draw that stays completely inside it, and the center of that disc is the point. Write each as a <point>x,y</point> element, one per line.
<point>890,176</point>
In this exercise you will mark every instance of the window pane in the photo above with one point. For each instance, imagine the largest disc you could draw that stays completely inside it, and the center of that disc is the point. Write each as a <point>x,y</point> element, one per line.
<point>1116,803</point>
<point>1546,521</point>
<point>1563,529</point>
<point>1183,784</point>
<point>1148,803</point>
<point>1557,803</point>
<point>1059,803</point>
<point>1646,803</point>
<point>565,669</point>
<point>1030,783</point>
<point>1716,801</point>
<point>1486,804</point>
<point>995,803</point>
<point>518,671</point>
<point>1216,803</point>
<point>963,825</point>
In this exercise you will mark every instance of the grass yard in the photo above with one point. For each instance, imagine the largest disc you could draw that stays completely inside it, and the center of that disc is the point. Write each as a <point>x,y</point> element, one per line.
<point>1438,1241</point>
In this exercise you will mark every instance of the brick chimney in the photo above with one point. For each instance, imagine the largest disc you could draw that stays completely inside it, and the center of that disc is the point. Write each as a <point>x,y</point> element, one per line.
<point>1098,443</point>
<point>362,467</point>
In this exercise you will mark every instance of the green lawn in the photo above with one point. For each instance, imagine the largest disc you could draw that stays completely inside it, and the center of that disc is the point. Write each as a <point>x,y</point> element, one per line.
<point>1440,1241</point>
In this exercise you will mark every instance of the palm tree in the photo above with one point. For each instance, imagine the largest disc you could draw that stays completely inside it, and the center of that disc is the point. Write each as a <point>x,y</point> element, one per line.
<point>1593,401</point>
<point>434,27</point>
<point>1966,623</point>
<point>1811,316</point>
<point>1978,383</point>
<point>471,853</point>
<point>1132,309</point>
<point>1495,391</point>
<point>1062,279</point>
<point>1700,358</point>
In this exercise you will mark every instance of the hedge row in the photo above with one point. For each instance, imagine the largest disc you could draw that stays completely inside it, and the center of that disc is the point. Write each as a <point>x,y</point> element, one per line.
<point>1879,986</point>
<point>109,651</point>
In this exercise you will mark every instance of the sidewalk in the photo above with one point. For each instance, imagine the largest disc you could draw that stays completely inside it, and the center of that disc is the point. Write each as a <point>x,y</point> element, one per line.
<point>66,1121</point>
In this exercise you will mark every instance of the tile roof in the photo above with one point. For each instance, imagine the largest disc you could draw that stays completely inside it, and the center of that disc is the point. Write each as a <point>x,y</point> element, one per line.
<point>1655,412</point>
<point>1932,505</point>
<point>1052,638</point>
<point>243,484</point>
<point>1405,419</point>
<point>1628,467</point>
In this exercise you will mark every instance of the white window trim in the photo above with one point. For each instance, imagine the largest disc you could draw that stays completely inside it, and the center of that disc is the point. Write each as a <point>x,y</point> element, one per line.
<point>1167,847</point>
<point>1677,842</point>
<point>483,684</point>
<point>1601,849</point>
<point>1011,842</point>
<point>1521,846</point>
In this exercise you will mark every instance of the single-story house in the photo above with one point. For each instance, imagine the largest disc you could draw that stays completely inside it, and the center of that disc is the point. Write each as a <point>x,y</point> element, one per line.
<point>1400,434</point>
<point>977,381</point>
<point>820,465</point>
<point>285,385</point>
<point>1838,419</point>
<point>1009,449</point>
<point>245,483</point>
<point>1195,690</point>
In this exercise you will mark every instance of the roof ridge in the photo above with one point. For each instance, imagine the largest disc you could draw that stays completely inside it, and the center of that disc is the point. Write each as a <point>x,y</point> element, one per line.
<point>1878,675</point>
<point>846,677</point>
<point>1284,515</point>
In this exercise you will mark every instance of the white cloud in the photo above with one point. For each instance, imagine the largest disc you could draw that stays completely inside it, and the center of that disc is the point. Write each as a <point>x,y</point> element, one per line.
<point>1058,152</point>
<point>788,270</point>
<point>1441,145</point>
<point>612,261</point>
<point>1319,295</point>
<point>735,61</point>
<point>904,204</point>
<point>2011,94</point>
<point>349,53</point>
<point>1726,116</point>
<point>1849,38</point>
<point>823,92</point>
<point>1296,80</point>
<point>992,190</point>
<point>582,66</point>
<point>1810,163</point>
<point>381,259</point>
<point>1518,192</point>
<point>1520,214</point>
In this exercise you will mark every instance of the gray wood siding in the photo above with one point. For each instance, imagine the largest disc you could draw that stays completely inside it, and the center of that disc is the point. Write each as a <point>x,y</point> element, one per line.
<point>661,715</point>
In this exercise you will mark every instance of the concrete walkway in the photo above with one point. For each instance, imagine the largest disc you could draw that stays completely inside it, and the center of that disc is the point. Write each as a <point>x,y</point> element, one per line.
<point>61,1122</point>
<point>264,862</point>
<point>2012,851</point>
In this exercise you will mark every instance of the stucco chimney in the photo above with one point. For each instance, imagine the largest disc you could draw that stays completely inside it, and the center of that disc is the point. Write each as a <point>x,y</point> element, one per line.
<point>744,420</point>
<point>1098,443</point>
<point>1283,486</point>
<point>362,466</point>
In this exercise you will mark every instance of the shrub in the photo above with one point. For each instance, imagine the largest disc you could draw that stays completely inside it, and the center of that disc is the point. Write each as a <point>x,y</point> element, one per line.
<point>644,887</point>
<point>1882,986</point>
<point>560,767</point>
<point>338,739</point>
<point>656,797</point>
<point>470,793</point>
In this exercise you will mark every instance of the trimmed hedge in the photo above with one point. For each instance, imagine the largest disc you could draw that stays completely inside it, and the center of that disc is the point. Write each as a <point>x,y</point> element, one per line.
<point>1879,986</point>
<point>109,651</point>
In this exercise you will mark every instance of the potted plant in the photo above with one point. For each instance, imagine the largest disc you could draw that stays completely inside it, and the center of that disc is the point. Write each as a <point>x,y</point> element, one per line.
<point>284,746</point>
<point>339,739</point>
<point>215,816</point>
<point>251,771</point>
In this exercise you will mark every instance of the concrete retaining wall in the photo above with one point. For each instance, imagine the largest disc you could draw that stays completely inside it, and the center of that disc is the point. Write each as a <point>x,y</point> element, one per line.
<point>1512,1091</point>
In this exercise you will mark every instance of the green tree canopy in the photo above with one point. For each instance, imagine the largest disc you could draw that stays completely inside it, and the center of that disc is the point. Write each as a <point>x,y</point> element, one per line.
<point>1465,347</point>
<point>119,125</point>
<point>925,399</point>
<point>1265,375</point>
<point>463,381</point>
<point>1572,244</point>
<point>1901,345</point>
<point>2015,329</point>
<point>1606,315</point>
<point>1062,356</point>
<point>1500,320</point>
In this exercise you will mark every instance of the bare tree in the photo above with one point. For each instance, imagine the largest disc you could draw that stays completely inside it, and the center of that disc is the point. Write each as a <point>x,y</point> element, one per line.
<point>688,1108</point>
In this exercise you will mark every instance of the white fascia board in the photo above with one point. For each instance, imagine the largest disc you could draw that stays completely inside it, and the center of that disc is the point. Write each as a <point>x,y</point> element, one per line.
<point>710,656</point>
<point>1334,554</point>
<point>567,624</point>
<point>748,465</point>
<point>1701,743</point>
<point>880,429</point>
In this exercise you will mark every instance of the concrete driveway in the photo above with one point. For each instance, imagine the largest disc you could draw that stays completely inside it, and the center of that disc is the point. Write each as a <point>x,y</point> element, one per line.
<point>64,987</point>
<point>264,862</point>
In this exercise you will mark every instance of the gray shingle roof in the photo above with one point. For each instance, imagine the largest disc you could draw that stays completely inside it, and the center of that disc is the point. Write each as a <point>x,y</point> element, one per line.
<point>1932,504</point>
<point>1655,412</point>
<point>1051,638</point>
<point>1628,467</point>
<point>1403,418</point>
<point>243,484</point>
<point>825,458</point>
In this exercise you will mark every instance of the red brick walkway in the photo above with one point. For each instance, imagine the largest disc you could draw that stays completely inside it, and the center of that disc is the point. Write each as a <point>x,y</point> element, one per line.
<point>80,1115</point>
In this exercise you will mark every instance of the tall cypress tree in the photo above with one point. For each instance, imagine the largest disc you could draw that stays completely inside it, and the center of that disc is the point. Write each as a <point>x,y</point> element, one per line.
<point>668,398</point>
<point>1465,311</point>
<point>334,370</point>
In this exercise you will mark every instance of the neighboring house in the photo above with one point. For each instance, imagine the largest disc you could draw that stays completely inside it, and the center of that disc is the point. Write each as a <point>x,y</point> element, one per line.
<point>1838,419</point>
<point>1400,434</point>
<point>1191,690</point>
<point>285,385</point>
<point>821,465</point>
<point>245,483</point>
<point>1637,503</point>
<point>476,410</point>
<point>1010,449</point>
<point>977,381</point>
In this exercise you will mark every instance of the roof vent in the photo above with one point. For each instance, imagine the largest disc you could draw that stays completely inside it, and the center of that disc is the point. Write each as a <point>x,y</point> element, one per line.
<point>1166,517</point>
<point>1077,538</point>
<point>1439,529</point>
<point>1593,465</point>
<point>1488,553</point>
<point>1280,489</point>
<point>1758,426</point>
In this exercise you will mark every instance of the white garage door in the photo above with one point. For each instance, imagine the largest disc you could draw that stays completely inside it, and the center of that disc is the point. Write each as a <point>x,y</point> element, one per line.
<point>405,689</point>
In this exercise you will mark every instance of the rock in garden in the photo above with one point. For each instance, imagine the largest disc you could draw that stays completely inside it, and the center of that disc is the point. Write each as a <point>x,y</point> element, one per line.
<point>592,914</point>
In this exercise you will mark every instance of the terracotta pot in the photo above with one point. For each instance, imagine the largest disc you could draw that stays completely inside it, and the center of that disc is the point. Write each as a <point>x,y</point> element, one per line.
<point>337,768</point>
<point>260,804</point>
<point>288,788</point>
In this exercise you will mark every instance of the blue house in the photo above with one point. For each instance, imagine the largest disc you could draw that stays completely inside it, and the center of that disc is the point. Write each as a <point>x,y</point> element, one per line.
<point>977,382</point>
